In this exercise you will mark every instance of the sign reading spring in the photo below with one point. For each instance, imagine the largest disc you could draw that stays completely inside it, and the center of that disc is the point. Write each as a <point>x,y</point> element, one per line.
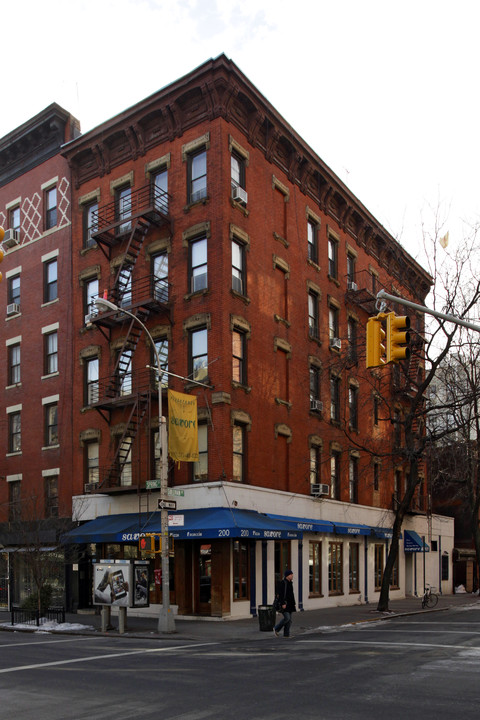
<point>182,427</point>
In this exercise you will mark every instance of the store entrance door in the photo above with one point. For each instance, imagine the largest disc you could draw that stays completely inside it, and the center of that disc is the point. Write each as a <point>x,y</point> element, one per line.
<point>203,580</point>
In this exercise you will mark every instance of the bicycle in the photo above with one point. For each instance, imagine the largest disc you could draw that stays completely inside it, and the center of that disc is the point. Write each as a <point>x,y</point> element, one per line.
<point>429,599</point>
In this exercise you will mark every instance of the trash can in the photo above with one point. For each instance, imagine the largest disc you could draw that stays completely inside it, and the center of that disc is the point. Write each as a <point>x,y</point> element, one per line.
<point>266,617</point>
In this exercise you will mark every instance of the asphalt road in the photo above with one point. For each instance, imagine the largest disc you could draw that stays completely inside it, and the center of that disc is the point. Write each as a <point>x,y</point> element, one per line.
<point>406,668</point>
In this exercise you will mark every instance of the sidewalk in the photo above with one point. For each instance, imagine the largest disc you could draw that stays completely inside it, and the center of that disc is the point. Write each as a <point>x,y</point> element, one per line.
<point>217,630</point>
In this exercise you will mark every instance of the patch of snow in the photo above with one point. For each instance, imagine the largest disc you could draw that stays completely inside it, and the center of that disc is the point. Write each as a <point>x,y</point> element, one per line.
<point>49,626</point>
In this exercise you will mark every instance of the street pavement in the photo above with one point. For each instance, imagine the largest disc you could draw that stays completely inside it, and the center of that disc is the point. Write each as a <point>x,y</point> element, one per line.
<point>215,629</point>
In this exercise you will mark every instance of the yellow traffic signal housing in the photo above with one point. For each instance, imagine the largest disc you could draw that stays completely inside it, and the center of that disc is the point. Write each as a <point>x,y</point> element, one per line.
<point>146,543</point>
<point>398,337</point>
<point>375,343</point>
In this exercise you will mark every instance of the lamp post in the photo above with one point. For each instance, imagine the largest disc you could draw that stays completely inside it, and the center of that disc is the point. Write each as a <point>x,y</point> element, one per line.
<point>166,619</point>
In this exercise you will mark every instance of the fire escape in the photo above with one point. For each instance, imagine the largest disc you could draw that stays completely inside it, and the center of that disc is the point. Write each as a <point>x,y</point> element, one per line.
<point>120,234</point>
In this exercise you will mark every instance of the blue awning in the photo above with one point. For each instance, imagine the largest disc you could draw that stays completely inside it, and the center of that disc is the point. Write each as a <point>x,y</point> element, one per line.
<point>412,542</point>
<point>306,524</point>
<point>383,533</point>
<point>187,524</point>
<point>350,529</point>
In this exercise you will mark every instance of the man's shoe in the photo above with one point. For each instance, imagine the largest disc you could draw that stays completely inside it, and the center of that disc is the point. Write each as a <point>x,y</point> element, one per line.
<point>276,633</point>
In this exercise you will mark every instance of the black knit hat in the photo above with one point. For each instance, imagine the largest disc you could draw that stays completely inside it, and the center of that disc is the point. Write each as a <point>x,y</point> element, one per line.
<point>287,573</point>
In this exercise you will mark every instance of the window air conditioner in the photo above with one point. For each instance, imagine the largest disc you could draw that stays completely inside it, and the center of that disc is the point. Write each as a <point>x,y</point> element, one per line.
<point>11,238</point>
<point>316,405</point>
<point>336,343</point>
<point>317,489</point>
<point>13,309</point>
<point>199,282</point>
<point>352,285</point>
<point>239,195</point>
<point>90,487</point>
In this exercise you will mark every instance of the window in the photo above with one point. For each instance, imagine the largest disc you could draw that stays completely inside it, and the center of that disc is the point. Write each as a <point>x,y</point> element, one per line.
<point>51,353</point>
<point>198,264</point>
<point>332,258</point>
<point>161,345</point>
<point>14,219</point>
<point>241,571</point>
<point>238,453</point>
<point>90,290</point>
<point>160,277</point>
<point>51,496</point>
<point>197,176</point>
<point>51,424</point>
<point>160,190</point>
<point>90,224</point>
<point>315,568</point>
<point>335,568</point>
<point>394,581</point>
<point>239,359</point>
<point>92,450</point>
<point>238,267</point>
<point>378,569</point>
<point>353,406</point>
<point>13,289</point>
<point>351,260</point>
<point>14,376</point>
<point>335,398</point>
<point>353,567</point>
<point>333,324</point>
<point>50,285</point>
<point>200,468</point>
<point>14,501</point>
<point>314,388</point>
<point>376,476</point>
<point>335,474</point>
<point>353,479</point>
<point>50,208</point>
<point>91,368</point>
<point>352,336</point>
<point>313,329</point>
<point>123,207</point>
<point>315,463</point>
<point>237,171</point>
<point>312,239</point>
<point>199,354</point>
<point>14,432</point>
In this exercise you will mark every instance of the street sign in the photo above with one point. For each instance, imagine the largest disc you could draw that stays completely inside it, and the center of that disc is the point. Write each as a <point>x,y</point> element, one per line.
<point>152,484</point>
<point>175,491</point>
<point>167,504</point>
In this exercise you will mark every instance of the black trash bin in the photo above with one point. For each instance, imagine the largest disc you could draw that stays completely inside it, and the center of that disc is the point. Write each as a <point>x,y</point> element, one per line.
<point>266,617</point>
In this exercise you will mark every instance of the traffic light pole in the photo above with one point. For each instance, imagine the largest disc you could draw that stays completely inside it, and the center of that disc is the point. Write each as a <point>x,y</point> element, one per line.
<point>382,296</point>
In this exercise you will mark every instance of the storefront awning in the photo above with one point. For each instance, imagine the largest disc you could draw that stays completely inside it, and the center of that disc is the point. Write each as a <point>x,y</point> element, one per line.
<point>383,533</point>
<point>187,524</point>
<point>306,524</point>
<point>351,529</point>
<point>412,542</point>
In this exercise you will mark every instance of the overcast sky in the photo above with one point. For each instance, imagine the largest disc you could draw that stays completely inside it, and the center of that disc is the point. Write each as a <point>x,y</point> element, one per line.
<point>386,93</point>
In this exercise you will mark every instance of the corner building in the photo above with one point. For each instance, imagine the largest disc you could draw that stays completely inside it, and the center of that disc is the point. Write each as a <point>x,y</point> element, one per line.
<point>254,268</point>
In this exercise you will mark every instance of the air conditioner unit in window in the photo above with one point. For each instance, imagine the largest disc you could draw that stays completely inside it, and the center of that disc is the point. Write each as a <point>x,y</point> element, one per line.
<point>199,282</point>
<point>13,309</point>
<point>239,195</point>
<point>352,285</point>
<point>11,238</point>
<point>316,405</point>
<point>90,487</point>
<point>317,489</point>
<point>336,343</point>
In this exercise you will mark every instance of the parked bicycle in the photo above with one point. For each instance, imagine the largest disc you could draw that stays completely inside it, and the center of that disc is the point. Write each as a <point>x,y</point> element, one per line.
<point>429,599</point>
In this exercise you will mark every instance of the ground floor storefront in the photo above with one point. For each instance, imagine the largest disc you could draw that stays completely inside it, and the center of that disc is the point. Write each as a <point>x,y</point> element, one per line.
<point>226,558</point>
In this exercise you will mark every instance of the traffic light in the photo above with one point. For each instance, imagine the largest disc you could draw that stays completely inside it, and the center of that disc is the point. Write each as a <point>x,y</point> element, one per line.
<point>375,343</point>
<point>398,337</point>
<point>150,543</point>
<point>2,235</point>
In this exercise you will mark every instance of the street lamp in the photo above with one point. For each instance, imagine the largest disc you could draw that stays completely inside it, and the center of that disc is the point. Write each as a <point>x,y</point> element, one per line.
<point>166,619</point>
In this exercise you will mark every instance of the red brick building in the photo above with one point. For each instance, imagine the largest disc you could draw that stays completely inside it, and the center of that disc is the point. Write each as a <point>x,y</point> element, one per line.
<point>254,269</point>
<point>35,209</point>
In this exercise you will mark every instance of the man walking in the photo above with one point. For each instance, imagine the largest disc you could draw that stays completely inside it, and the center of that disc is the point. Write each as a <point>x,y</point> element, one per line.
<point>287,603</point>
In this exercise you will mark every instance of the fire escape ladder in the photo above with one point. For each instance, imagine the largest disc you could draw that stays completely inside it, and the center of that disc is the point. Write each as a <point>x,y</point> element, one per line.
<point>124,446</point>
<point>122,282</point>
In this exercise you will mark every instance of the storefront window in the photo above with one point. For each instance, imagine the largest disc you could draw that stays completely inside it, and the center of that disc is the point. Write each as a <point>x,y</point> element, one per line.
<point>240,570</point>
<point>315,568</point>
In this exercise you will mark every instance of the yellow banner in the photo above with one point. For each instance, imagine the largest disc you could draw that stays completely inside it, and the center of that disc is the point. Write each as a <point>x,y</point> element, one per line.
<point>182,427</point>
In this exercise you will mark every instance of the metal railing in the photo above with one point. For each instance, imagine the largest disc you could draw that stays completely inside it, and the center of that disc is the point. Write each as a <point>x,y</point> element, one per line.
<point>21,616</point>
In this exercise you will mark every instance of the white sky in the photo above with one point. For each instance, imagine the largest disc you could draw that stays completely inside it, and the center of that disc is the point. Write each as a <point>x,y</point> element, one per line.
<point>386,93</point>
